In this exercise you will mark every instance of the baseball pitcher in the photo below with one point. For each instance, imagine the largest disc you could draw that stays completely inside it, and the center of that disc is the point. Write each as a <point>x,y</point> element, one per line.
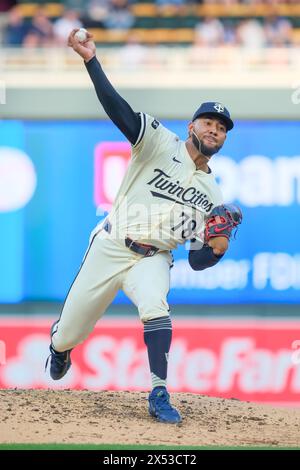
<point>168,196</point>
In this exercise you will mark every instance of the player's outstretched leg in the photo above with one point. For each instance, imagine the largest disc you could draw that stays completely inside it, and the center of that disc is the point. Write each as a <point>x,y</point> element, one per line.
<point>92,291</point>
<point>60,362</point>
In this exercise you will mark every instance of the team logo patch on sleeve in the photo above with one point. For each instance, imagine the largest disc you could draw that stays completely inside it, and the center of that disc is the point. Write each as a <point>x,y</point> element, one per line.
<point>155,124</point>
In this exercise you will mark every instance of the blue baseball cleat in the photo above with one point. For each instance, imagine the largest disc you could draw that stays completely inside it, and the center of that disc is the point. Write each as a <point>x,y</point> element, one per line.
<point>160,407</point>
<point>60,362</point>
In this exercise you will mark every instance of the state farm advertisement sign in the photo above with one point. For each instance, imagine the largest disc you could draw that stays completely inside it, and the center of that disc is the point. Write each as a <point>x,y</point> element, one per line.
<point>252,360</point>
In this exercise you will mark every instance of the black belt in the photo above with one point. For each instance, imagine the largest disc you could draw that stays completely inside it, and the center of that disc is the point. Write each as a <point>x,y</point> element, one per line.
<point>140,248</point>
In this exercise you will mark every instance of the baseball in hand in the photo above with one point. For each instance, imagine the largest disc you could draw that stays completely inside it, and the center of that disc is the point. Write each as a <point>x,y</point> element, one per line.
<point>81,35</point>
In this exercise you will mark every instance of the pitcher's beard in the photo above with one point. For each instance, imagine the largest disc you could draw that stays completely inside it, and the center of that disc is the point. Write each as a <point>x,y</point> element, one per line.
<point>204,149</point>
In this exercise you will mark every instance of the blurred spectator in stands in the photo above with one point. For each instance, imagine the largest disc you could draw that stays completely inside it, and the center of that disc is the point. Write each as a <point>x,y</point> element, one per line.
<point>16,28</point>
<point>229,31</point>
<point>251,34</point>
<point>223,2</point>
<point>6,5</point>
<point>172,6</point>
<point>96,13</point>
<point>210,32</point>
<point>65,24</point>
<point>78,5</point>
<point>247,2</point>
<point>278,31</point>
<point>31,40</point>
<point>133,53</point>
<point>196,54</point>
<point>40,32</point>
<point>119,15</point>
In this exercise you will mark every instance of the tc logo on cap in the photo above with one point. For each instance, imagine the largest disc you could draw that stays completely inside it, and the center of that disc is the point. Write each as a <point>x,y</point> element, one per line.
<point>219,107</point>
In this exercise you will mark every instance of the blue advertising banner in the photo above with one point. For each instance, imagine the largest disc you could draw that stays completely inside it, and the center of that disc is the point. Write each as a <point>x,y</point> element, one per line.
<point>54,175</point>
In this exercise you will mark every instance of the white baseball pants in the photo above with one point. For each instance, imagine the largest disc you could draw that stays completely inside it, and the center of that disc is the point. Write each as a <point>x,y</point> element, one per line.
<point>109,266</point>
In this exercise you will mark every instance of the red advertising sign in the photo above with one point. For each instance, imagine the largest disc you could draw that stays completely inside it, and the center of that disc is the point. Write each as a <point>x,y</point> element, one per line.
<point>110,164</point>
<point>252,360</point>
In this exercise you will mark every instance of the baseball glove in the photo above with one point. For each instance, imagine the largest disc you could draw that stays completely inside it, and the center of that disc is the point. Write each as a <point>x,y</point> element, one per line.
<point>222,220</point>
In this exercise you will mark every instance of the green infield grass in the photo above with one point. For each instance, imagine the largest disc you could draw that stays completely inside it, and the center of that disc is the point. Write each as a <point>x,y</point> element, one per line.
<point>102,447</point>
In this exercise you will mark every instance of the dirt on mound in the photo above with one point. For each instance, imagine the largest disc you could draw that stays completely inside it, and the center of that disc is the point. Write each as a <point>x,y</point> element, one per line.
<point>47,416</point>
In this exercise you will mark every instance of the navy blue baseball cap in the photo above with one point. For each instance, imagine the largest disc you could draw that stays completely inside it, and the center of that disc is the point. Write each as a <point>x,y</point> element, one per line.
<point>218,110</point>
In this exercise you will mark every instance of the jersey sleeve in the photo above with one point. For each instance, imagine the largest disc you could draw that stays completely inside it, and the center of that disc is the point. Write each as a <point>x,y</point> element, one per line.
<point>117,109</point>
<point>152,140</point>
<point>203,258</point>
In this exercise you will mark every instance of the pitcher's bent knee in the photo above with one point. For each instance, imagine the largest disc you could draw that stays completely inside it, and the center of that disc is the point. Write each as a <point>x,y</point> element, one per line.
<point>153,311</point>
<point>63,342</point>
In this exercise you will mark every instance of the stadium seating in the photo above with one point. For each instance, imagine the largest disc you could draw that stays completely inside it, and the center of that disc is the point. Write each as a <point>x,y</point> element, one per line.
<point>150,10</point>
<point>153,25</point>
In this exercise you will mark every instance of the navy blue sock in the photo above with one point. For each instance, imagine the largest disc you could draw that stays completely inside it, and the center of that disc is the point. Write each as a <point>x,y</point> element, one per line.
<point>157,337</point>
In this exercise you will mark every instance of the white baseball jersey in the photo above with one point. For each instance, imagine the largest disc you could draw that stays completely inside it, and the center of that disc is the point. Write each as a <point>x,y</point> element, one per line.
<point>162,201</point>
<point>163,198</point>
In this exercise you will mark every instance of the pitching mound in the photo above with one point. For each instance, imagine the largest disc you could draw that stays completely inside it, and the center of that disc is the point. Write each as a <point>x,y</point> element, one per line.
<point>47,416</point>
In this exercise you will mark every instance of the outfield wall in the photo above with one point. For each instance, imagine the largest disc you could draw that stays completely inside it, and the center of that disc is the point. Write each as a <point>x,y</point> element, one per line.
<point>59,177</point>
<point>250,359</point>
